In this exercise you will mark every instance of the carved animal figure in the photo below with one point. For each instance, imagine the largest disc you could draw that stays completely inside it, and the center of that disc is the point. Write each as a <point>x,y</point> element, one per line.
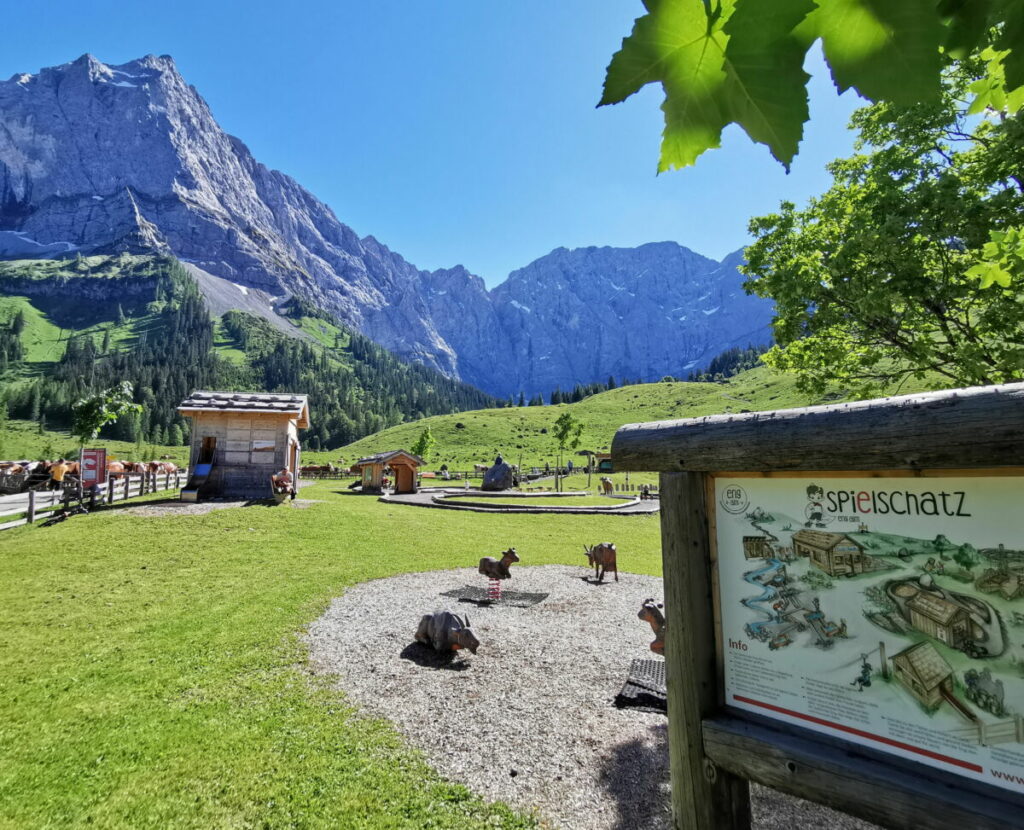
<point>444,631</point>
<point>601,558</point>
<point>606,486</point>
<point>651,612</point>
<point>498,569</point>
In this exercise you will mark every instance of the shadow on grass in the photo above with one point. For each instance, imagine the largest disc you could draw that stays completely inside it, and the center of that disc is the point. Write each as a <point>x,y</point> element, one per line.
<point>426,657</point>
<point>636,775</point>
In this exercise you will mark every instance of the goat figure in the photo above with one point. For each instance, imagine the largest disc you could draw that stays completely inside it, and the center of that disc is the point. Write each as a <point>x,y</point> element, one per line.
<point>498,569</point>
<point>601,558</point>
<point>651,612</point>
<point>444,631</point>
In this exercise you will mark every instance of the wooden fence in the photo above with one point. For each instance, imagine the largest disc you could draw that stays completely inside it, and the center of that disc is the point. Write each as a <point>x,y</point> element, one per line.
<point>990,734</point>
<point>28,507</point>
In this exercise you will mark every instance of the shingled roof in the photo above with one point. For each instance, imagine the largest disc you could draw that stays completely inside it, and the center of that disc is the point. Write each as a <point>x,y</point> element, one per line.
<point>273,402</point>
<point>935,608</point>
<point>925,662</point>
<point>822,539</point>
<point>385,457</point>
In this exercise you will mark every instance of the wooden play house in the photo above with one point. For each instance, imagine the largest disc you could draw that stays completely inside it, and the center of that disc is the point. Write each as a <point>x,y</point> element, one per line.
<point>241,439</point>
<point>926,675</point>
<point>402,464</point>
<point>834,553</point>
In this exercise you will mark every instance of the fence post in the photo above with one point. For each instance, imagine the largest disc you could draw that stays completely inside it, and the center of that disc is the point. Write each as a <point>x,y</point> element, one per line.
<point>110,489</point>
<point>31,506</point>
<point>127,484</point>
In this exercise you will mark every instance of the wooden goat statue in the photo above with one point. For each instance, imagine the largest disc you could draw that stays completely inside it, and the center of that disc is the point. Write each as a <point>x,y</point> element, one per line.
<point>651,612</point>
<point>602,557</point>
<point>498,569</point>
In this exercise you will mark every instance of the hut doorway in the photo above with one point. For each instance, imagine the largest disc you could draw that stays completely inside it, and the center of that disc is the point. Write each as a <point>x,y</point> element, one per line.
<point>405,479</point>
<point>207,450</point>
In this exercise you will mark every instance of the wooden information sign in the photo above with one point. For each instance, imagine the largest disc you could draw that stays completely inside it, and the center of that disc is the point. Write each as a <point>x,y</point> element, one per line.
<point>844,591</point>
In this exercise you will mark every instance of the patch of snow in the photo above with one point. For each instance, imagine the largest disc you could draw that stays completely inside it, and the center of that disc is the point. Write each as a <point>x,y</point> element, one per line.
<point>22,244</point>
<point>711,311</point>
<point>682,319</point>
<point>525,308</point>
<point>616,287</point>
<point>241,288</point>
<point>124,83</point>
<point>690,365</point>
<point>98,198</point>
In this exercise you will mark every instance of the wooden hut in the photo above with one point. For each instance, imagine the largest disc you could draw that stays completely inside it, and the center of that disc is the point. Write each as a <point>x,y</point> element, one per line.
<point>926,675</point>
<point>241,439</point>
<point>939,618</point>
<point>403,464</point>
<point>835,553</point>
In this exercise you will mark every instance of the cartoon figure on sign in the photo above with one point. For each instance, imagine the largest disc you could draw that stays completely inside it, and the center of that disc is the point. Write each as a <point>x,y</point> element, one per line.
<point>815,513</point>
<point>865,674</point>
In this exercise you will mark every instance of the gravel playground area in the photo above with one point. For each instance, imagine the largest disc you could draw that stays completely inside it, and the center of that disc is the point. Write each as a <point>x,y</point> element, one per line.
<point>529,719</point>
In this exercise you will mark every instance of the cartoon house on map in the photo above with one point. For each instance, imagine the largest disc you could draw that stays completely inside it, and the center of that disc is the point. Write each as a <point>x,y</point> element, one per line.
<point>940,618</point>
<point>926,675</point>
<point>834,553</point>
<point>756,547</point>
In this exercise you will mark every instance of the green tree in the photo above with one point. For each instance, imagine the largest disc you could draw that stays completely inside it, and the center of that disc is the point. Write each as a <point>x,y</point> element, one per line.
<point>424,445</point>
<point>18,323</point>
<point>741,61</point>
<point>567,432</point>
<point>964,557</point>
<point>93,413</point>
<point>3,426</point>
<point>877,280</point>
<point>174,436</point>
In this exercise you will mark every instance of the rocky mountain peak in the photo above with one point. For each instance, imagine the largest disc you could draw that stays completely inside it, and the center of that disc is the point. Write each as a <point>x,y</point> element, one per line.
<point>97,157</point>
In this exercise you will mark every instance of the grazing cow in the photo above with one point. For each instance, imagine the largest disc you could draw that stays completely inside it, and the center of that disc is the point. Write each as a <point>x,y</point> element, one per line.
<point>651,612</point>
<point>495,569</point>
<point>607,488</point>
<point>444,631</point>
<point>602,557</point>
<point>116,468</point>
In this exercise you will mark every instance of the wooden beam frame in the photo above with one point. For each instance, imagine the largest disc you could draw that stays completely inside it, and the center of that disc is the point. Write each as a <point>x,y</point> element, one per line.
<point>703,795</point>
<point>854,779</point>
<point>714,750</point>
<point>977,427</point>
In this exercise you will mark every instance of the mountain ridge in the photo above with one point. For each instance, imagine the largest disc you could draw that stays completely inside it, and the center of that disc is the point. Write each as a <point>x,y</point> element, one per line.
<point>98,158</point>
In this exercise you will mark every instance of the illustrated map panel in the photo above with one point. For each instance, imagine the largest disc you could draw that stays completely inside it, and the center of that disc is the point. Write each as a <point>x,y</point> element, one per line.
<point>884,611</point>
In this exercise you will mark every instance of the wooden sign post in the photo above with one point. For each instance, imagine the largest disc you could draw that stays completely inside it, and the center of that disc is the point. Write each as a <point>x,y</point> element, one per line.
<point>844,594</point>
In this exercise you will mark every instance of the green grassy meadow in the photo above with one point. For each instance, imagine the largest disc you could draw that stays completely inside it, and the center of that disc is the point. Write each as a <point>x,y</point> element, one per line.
<point>476,437</point>
<point>152,670</point>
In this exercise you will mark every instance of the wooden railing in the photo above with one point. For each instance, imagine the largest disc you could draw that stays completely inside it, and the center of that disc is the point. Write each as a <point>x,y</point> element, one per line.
<point>27,507</point>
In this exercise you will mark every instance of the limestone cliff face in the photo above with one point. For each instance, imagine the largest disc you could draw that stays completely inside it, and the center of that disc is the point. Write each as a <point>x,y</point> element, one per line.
<point>100,158</point>
<point>96,158</point>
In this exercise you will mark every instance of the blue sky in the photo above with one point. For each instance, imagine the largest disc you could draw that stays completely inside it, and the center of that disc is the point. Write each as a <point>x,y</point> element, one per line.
<point>455,131</point>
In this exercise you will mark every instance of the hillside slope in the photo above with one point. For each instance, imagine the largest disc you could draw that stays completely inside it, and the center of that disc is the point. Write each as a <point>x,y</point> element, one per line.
<point>526,432</point>
<point>476,437</point>
<point>70,327</point>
